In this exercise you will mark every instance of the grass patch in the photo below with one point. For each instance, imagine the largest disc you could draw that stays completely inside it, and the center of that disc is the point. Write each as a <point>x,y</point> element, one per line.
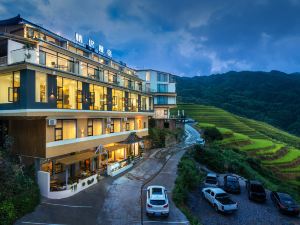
<point>234,139</point>
<point>270,151</point>
<point>295,169</point>
<point>292,155</point>
<point>188,178</point>
<point>257,144</point>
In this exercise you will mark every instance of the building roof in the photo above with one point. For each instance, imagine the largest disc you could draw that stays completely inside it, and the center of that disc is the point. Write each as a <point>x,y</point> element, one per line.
<point>154,70</point>
<point>132,138</point>
<point>20,20</point>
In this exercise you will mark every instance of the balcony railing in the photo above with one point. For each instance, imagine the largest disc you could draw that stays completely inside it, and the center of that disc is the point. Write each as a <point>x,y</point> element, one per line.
<point>3,60</point>
<point>31,56</point>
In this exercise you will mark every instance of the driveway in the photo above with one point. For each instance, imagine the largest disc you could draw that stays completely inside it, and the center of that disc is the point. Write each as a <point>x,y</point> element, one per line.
<point>249,213</point>
<point>117,200</point>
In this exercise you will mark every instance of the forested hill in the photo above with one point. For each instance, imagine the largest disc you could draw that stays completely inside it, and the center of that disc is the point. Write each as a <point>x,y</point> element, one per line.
<point>272,97</point>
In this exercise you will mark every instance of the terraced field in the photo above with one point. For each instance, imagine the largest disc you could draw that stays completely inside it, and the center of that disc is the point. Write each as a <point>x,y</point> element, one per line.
<point>278,150</point>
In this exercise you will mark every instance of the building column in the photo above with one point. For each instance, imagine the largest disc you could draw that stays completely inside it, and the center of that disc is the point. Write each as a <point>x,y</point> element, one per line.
<point>67,175</point>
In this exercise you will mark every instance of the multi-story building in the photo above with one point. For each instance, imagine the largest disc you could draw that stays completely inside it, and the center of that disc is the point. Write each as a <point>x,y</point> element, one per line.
<point>70,108</point>
<point>162,85</point>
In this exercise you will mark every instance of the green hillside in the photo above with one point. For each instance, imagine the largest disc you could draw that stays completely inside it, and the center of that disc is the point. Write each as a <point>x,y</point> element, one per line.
<point>276,149</point>
<point>272,97</point>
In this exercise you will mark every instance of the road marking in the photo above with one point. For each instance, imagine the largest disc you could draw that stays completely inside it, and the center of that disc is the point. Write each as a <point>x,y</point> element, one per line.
<point>27,222</point>
<point>167,222</point>
<point>70,206</point>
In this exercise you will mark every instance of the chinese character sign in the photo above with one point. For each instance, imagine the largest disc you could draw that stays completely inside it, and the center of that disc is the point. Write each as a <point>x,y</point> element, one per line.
<point>78,38</point>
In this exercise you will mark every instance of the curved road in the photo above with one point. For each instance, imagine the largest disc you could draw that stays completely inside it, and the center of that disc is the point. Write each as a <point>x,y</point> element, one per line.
<point>117,200</point>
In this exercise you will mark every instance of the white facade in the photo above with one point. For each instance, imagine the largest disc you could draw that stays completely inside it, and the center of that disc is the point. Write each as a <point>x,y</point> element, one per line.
<point>163,86</point>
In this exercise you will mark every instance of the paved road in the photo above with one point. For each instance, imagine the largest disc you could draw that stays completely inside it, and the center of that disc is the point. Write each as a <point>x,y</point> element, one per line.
<point>249,213</point>
<point>167,178</point>
<point>114,200</point>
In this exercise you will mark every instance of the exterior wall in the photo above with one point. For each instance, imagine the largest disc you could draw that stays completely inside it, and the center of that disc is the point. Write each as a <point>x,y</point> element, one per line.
<point>63,147</point>
<point>29,136</point>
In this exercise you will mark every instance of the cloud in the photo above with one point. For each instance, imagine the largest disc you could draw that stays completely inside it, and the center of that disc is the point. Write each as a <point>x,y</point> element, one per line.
<point>193,37</point>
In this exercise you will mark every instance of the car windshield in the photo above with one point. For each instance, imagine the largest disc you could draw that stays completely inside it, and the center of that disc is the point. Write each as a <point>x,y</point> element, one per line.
<point>157,202</point>
<point>287,199</point>
<point>232,179</point>
<point>156,191</point>
<point>211,180</point>
<point>257,188</point>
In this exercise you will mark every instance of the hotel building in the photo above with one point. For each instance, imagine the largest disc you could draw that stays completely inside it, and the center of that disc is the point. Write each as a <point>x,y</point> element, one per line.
<point>163,87</point>
<point>70,108</point>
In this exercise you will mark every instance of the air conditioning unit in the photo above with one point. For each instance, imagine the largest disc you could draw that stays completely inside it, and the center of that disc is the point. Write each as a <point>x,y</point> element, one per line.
<point>51,122</point>
<point>125,119</point>
<point>108,120</point>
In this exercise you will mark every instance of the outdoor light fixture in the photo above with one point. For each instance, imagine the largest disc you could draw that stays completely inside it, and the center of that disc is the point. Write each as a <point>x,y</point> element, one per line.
<point>52,94</point>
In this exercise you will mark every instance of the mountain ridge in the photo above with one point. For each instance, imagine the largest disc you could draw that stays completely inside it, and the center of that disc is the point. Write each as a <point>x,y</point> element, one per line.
<point>272,97</point>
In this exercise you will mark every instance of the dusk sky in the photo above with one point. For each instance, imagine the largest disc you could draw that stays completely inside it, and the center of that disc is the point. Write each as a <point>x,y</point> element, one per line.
<point>187,38</point>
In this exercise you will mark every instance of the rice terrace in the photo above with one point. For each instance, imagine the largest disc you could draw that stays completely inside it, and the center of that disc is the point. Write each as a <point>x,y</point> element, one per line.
<point>273,148</point>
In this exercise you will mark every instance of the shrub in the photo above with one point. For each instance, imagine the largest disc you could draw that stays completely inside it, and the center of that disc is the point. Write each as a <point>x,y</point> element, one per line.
<point>212,134</point>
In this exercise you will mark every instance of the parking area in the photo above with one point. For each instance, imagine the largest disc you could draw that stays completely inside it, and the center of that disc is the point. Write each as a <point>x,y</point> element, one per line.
<point>248,213</point>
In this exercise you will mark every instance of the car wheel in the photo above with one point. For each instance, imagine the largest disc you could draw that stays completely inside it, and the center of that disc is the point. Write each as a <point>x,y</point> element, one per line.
<point>216,208</point>
<point>167,215</point>
<point>148,214</point>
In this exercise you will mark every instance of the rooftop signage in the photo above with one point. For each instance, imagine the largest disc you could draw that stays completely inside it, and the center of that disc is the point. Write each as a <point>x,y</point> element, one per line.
<point>91,45</point>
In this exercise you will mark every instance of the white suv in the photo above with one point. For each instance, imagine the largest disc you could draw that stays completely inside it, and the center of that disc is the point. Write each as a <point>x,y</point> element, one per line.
<point>157,201</point>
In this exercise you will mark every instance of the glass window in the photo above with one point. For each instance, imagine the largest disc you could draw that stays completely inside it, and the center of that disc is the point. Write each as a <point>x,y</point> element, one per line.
<point>41,87</point>
<point>162,100</point>
<point>162,88</point>
<point>9,86</point>
<point>118,100</point>
<point>69,93</point>
<point>69,129</point>
<point>90,127</point>
<point>162,77</point>
<point>148,76</point>
<point>65,63</point>
<point>145,103</point>
<point>133,102</point>
<point>97,127</point>
<point>83,69</point>
<point>98,97</point>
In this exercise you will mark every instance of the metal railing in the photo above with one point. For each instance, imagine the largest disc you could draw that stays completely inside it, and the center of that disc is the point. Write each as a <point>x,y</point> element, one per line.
<point>3,60</point>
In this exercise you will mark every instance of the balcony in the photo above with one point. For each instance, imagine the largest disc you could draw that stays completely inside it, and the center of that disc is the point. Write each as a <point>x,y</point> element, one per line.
<point>3,60</point>
<point>31,55</point>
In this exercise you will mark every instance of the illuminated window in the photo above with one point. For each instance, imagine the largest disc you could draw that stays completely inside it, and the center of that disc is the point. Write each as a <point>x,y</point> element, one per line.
<point>9,86</point>
<point>133,102</point>
<point>69,93</point>
<point>65,129</point>
<point>98,97</point>
<point>118,100</point>
<point>41,87</point>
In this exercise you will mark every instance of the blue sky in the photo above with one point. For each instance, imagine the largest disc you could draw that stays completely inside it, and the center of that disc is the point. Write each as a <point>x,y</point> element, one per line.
<point>188,38</point>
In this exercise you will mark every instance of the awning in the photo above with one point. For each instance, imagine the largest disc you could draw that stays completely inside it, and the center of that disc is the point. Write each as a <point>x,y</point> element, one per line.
<point>115,147</point>
<point>76,158</point>
<point>132,138</point>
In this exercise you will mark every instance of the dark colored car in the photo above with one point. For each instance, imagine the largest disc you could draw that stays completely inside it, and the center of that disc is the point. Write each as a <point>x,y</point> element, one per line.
<point>232,184</point>
<point>285,203</point>
<point>256,191</point>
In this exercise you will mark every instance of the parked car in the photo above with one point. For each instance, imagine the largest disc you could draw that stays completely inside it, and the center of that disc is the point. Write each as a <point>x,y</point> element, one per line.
<point>211,180</point>
<point>285,203</point>
<point>200,141</point>
<point>157,201</point>
<point>256,191</point>
<point>219,199</point>
<point>232,184</point>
